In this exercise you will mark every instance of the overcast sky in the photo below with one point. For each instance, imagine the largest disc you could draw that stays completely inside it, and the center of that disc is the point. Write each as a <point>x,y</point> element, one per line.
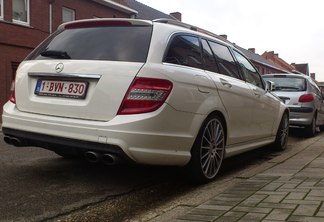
<point>292,28</point>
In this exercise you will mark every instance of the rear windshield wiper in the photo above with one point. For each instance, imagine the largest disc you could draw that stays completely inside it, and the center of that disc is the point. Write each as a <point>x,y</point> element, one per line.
<point>56,54</point>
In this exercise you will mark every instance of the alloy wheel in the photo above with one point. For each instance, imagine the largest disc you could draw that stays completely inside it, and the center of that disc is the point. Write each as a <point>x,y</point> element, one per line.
<point>212,148</point>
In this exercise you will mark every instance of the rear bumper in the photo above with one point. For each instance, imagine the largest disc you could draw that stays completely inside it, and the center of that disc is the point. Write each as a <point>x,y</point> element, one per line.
<point>60,144</point>
<point>301,116</point>
<point>301,109</point>
<point>163,137</point>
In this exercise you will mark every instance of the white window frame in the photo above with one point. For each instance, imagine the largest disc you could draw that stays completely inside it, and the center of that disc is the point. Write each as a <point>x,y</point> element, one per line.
<point>1,10</point>
<point>27,2</point>
<point>69,10</point>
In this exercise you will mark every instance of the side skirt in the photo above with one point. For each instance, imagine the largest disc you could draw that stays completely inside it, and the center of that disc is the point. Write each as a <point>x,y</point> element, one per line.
<point>244,147</point>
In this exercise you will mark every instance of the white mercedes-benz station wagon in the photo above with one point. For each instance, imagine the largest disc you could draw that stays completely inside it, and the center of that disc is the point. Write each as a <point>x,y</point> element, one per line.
<point>150,92</point>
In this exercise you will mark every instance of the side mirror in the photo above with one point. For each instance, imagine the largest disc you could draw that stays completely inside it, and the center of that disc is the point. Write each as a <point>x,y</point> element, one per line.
<point>270,86</point>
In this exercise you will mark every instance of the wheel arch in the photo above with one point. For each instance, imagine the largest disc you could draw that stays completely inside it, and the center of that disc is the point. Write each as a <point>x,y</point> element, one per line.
<point>285,112</point>
<point>282,111</point>
<point>194,166</point>
<point>223,119</point>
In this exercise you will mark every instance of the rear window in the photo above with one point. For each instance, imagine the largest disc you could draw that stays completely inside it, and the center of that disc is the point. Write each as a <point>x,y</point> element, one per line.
<point>113,43</point>
<point>286,83</point>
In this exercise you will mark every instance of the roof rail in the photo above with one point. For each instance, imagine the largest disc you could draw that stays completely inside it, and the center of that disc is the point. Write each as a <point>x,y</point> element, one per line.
<point>191,27</point>
<point>176,22</point>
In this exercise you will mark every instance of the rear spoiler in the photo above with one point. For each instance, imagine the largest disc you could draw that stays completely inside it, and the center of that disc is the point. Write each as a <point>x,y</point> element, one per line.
<point>86,23</point>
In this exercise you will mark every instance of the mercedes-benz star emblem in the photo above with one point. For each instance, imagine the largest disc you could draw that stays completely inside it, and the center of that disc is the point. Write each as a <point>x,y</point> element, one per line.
<point>59,67</point>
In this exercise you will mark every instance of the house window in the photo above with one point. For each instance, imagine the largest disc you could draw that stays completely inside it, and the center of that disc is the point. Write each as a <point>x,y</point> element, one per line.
<point>20,11</point>
<point>68,15</point>
<point>1,9</point>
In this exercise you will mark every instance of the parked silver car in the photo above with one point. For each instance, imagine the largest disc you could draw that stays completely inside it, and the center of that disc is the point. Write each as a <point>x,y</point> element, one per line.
<point>303,97</point>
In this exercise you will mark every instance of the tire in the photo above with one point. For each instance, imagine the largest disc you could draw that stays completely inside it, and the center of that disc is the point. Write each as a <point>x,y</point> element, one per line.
<point>208,151</point>
<point>280,143</point>
<point>310,130</point>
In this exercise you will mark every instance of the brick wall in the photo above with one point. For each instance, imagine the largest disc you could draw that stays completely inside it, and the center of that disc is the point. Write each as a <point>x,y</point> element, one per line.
<point>84,9</point>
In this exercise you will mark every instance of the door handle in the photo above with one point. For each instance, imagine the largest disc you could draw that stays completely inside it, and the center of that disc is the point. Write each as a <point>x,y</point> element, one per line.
<point>225,83</point>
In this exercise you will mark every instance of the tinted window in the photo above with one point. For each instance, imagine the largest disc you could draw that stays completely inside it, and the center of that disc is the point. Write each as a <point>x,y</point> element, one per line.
<point>184,50</point>
<point>287,83</point>
<point>209,59</point>
<point>226,63</point>
<point>126,43</point>
<point>250,73</point>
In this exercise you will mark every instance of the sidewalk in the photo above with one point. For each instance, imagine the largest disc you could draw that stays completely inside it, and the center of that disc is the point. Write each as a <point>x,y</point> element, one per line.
<point>292,189</point>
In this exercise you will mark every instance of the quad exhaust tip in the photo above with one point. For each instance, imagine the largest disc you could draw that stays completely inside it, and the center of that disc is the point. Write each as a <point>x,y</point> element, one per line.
<point>90,156</point>
<point>7,139</point>
<point>108,159</point>
<point>94,157</point>
<point>13,141</point>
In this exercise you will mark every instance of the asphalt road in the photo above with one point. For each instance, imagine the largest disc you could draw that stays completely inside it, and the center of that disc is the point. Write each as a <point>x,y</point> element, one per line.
<point>38,185</point>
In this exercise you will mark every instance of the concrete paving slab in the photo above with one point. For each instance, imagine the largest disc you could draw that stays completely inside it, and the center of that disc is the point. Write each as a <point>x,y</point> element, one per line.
<point>291,190</point>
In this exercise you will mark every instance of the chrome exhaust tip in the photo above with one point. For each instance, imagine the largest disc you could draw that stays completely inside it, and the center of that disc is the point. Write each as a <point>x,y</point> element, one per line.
<point>13,141</point>
<point>16,142</point>
<point>91,156</point>
<point>8,140</point>
<point>108,159</point>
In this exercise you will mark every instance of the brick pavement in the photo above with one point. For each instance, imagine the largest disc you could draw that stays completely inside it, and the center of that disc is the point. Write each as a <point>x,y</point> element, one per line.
<point>291,190</point>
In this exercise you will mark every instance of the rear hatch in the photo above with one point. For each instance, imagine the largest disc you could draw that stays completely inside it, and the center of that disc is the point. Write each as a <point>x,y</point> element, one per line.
<point>84,69</point>
<point>288,88</point>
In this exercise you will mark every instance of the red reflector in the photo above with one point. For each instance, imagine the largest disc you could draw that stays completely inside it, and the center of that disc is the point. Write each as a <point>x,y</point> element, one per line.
<point>12,96</point>
<point>90,24</point>
<point>145,95</point>
<point>306,98</point>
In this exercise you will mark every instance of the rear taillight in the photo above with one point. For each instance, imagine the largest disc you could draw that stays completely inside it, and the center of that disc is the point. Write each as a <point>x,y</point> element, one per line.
<point>145,95</point>
<point>12,97</point>
<point>306,98</point>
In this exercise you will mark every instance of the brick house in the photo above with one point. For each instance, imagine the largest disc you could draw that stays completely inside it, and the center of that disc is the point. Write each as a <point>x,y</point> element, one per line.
<point>264,65</point>
<point>25,23</point>
<point>303,68</point>
<point>293,67</point>
<point>270,62</point>
<point>274,57</point>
